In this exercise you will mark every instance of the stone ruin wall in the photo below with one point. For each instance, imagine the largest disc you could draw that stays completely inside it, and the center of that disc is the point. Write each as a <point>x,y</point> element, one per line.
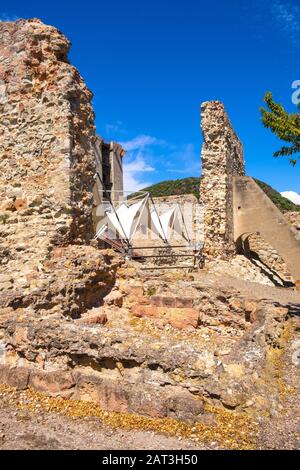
<point>270,258</point>
<point>268,255</point>
<point>294,219</point>
<point>46,182</point>
<point>222,158</point>
<point>46,164</point>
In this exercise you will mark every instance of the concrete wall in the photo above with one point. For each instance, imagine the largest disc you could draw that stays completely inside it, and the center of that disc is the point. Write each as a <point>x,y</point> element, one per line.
<point>109,165</point>
<point>255,212</point>
<point>116,171</point>
<point>222,158</point>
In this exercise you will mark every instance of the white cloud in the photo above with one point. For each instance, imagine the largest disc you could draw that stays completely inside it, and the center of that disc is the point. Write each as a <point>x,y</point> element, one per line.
<point>136,162</point>
<point>292,196</point>
<point>133,173</point>
<point>140,150</point>
<point>143,150</point>
<point>115,129</point>
<point>6,18</point>
<point>140,142</point>
<point>287,16</point>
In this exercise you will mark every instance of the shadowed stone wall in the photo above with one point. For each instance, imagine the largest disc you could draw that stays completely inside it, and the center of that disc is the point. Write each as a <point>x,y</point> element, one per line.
<point>222,158</point>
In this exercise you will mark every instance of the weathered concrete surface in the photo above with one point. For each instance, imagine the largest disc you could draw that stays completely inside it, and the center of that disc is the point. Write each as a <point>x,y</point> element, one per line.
<point>109,167</point>
<point>255,212</point>
<point>222,158</point>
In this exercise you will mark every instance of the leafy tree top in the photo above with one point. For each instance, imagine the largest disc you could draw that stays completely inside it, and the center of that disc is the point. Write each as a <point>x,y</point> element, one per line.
<point>283,124</point>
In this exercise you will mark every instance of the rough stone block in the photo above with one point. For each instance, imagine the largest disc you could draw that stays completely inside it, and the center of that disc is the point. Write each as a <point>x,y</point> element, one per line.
<point>113,397</point>
<point>17,377</point>
<point>156,300</point>
<point>185,406</point>
<point>168,301</point>
<point>52,382</point>
<point>184,302</point>
<point>95,319</point>
<point>180,318</point>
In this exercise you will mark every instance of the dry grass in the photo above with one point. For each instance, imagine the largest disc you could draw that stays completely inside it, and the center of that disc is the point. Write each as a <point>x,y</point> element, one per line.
<point>275,365</point>
<point>231,431</point>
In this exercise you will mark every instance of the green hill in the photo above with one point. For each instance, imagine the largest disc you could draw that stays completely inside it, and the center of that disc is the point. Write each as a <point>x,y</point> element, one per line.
<point>191,186</point>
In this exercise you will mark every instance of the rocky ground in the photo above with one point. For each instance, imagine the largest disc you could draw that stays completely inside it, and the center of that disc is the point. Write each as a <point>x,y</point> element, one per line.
<point>30,421</point>
<point>52,431</point>
<point>233,376</point>
<point>162,359</point>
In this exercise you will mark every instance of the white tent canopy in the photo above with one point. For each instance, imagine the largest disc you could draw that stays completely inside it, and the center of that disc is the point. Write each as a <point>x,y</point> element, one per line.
<point>125,220</point>
<point>168,222</point>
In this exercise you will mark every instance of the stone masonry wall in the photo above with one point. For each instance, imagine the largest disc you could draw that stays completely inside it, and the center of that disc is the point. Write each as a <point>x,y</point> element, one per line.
<point>222,158</point>
<point>269,256</point>
<point>46,160</point>
<point>293,218</point>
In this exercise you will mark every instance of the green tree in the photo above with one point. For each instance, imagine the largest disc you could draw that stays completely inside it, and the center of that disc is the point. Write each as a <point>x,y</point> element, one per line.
<point>285,125</point>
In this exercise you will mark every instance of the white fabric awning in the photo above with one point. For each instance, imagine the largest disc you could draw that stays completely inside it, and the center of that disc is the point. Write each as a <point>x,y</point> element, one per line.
<point>126,219</point>
<point>169,221</point>
<point>161,223</point>
<point>102,229</point>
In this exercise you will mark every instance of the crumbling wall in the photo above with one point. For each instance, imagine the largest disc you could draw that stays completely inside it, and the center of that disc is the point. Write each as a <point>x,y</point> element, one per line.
<point>46,159</point>
<point>269,257</point>
<point>222,158</point>
<point>294,219</point>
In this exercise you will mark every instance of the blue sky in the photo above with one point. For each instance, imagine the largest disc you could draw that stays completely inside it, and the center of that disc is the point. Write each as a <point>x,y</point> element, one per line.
<point>151,63</point>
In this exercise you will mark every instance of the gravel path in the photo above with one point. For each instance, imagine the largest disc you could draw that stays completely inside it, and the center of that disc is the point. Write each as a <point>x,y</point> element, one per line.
<point>23,429</point>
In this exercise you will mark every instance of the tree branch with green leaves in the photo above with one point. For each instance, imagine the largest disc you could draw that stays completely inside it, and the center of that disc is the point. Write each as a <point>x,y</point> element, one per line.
<point>284,125</point>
